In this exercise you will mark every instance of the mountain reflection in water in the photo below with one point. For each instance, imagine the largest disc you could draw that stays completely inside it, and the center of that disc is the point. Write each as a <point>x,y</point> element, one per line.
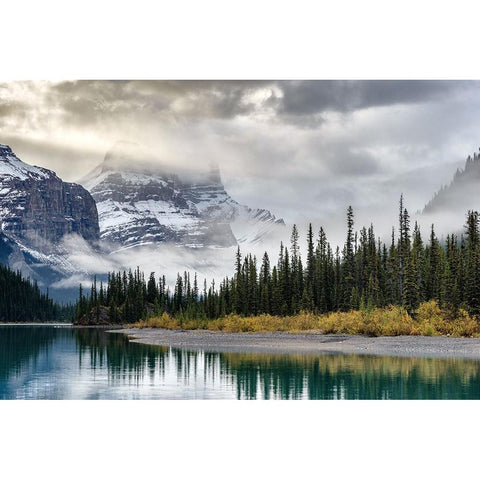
<point>56,363</point>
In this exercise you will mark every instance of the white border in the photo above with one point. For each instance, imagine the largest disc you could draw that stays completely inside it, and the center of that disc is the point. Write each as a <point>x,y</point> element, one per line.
<point>250,39</point>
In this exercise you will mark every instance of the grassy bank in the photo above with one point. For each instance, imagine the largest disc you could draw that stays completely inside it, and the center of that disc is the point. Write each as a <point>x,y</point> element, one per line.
<point>428,320</point>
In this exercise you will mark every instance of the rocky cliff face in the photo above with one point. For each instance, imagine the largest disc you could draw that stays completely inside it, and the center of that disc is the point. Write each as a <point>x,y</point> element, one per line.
<point>37,208</point>
<point>40,215</point>
<point>141,203</point>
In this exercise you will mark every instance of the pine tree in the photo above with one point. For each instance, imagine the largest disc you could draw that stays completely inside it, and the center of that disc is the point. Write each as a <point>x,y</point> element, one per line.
<point>410,285</point>
<point>239,287</point>
<point>350,292</point>
<point>434,268</point>
<point>472,287</point>
<point>265,285</point>
<point>296,272</point>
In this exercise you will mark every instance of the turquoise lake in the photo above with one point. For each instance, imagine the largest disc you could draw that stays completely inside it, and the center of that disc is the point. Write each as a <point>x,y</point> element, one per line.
<point>48,362</point>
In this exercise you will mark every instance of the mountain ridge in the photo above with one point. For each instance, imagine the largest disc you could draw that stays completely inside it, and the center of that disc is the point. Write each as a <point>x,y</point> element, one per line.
<point>145,202</point>
<point>38,211</point>
<point>461,194</point>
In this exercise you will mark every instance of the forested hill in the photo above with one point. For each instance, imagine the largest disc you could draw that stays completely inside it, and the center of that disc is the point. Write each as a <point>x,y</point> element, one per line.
<point>22,301</point>
<point>462,194</point>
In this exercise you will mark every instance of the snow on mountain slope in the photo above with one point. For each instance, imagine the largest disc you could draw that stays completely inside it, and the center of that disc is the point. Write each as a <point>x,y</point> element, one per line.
<point>37,212</point>
<point>37,208</point>
<point>142,202</point>
<point>11,166</point>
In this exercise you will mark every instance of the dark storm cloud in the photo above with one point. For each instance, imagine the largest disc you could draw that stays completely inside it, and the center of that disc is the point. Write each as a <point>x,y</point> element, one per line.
<point>313,97</point>
<point>227,99</point>
<point>301,103</point>
<point>94,100</point>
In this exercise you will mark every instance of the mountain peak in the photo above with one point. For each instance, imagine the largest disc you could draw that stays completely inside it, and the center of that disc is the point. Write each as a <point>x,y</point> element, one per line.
<point>36,204</point>
<point>142,200</point>
<point>5,150</point>
<point>12,166</point>
<point>129,156</point>
<point>134,162</point>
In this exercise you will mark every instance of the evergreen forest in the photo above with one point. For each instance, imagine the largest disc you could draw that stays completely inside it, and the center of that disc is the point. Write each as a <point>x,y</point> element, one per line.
<point>365,274</point>
<point>22,301</point>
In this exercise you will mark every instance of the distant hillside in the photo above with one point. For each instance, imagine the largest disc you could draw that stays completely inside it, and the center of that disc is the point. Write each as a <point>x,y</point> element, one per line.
<point>22,301</point>
<point>461,195</point>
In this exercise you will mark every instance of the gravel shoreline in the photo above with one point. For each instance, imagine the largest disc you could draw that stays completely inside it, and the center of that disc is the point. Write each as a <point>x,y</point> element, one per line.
<point>281,342</point>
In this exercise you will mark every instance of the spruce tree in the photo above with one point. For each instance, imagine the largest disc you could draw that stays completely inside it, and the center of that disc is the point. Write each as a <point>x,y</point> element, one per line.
<point>472,287</point>
<point>349,290</point>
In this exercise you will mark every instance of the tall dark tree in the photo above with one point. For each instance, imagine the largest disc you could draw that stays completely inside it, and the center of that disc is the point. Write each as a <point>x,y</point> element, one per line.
<point>350,290</point>
<point>472,287</point>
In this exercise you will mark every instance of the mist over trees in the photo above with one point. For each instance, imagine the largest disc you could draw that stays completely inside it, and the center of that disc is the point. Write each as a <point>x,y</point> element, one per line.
<point>365,274</point>
<point>462,190</point>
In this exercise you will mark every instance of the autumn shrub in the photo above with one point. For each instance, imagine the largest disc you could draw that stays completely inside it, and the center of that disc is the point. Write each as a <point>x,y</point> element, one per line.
<point>435,321</point>
<point>429,319</point>
<point>163,321</point>
<point>374,322</point>
<point>264,323</point>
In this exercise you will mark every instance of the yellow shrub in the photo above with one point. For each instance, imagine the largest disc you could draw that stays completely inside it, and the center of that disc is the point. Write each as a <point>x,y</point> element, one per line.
<point>429,320</point>
<point>429,311</point>
<point>164,321</point>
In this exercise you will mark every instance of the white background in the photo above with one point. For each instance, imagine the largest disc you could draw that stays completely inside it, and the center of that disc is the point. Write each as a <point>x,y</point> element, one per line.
<point>231,40</point>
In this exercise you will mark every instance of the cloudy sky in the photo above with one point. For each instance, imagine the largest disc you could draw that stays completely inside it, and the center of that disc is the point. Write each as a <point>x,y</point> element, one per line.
<point>303,149</point>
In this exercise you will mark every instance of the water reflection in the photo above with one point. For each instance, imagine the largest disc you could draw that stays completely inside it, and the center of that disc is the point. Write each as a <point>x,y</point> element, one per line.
<point>351,377</point>
<point>46,362</point>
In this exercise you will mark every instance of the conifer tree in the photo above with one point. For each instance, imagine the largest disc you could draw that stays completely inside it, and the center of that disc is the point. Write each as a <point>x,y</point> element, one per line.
<point>350,292</point>
<point>265,286</point>
<point>296,272</point>
<point>434,268</point>
<point>410,285</point>
<point>472,287</point>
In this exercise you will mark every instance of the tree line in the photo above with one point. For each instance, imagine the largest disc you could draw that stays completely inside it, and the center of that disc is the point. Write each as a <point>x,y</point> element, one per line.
<point>22,301</point>
<point>365,273</point>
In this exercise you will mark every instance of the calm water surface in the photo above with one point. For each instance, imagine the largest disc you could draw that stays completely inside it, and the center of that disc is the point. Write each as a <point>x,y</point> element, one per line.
<point>67,363</point>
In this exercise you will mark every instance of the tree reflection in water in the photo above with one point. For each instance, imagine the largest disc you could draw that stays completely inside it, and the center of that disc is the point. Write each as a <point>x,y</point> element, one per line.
<point>283,376</point>
<point>47,362</point>
<point>22,344</point>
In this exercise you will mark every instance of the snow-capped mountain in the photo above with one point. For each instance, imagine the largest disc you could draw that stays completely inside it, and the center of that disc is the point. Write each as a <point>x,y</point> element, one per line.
<point>142,202</point>
<point>50,230</point>
<point>37,212</point>
<point>38,208</point>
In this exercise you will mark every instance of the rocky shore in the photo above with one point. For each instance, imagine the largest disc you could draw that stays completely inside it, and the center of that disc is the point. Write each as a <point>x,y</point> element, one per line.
<point>280,342</point>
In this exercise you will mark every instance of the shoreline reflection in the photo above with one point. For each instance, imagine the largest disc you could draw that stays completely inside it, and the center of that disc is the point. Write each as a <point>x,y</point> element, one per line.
<point>47,362</point>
